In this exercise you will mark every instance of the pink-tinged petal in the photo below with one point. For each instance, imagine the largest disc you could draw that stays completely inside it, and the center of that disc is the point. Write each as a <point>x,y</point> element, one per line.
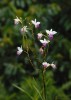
<point>18,52</point>
<point>39,35</point>
<point>45,64</point>
<point>37,25</point>
<point>44,42</point>
<point>50,32</point>
<point>50,37</point>
<point>24,29</point>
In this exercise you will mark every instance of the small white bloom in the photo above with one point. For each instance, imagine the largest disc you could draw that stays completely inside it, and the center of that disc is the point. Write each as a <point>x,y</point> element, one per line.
<point>45,64</point>
<point>19,50</point>
<point>35,23</point>
<point>39,35</point>
<point>16,20</point>
<point>53,66</point>
<point>24,29</point>
<point>44,42</point>
<point>50,32</point>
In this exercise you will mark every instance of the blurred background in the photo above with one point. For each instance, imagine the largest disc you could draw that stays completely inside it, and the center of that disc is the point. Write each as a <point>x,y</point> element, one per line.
<point>55,14</point>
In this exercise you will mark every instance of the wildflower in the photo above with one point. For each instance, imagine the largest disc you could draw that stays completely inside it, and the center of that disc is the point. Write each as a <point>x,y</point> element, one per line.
<point>44,42</point>
<point>45,65</point>
<point>19,50</point>
<point>53,66</point>
<point>35,23</point>
<point>50,33</point>
<point>39,35</point>
<point>24,29</point>
<point>41,50</point>
<point>16,20</point>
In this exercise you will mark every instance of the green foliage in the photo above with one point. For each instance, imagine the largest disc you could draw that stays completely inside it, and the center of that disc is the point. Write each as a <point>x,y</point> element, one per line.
<point>32,88</point>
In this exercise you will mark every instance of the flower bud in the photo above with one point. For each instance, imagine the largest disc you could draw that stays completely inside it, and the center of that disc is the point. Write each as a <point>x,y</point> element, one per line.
<point>39,35</point>
<point>16,21</point>
<point>41,51</point>
<point>23,29</point>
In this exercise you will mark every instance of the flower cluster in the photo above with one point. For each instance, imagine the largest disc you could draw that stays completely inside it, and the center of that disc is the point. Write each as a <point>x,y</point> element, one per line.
<point>46,65</point>
<point>43,39</point>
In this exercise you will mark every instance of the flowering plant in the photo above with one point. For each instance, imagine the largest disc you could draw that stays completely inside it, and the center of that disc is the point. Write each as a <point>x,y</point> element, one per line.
<point>43,39</point>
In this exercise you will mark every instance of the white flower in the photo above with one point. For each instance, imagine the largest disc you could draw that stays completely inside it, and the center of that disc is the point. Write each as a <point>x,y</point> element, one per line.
<point>45,64</point>
<point>19,50</point>
<point>44,42</point>
<point>35,23</point>
<point>16,20</point>
<point>24,29</point>
<point>53,66</point>
<point>39,35</point>
<point>50,32</point>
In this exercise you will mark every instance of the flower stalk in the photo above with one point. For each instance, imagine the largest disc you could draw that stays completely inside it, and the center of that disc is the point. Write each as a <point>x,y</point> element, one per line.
<point>44,40</point>
<point>44,84</point>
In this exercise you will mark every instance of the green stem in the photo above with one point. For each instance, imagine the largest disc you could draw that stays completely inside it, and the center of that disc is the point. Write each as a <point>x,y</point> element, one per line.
<point>44,85</point>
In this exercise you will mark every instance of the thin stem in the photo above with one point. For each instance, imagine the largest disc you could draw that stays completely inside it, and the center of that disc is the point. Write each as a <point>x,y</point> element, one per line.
<point>29,58</point>
<point>27,52</point>
<point>44,85</point>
